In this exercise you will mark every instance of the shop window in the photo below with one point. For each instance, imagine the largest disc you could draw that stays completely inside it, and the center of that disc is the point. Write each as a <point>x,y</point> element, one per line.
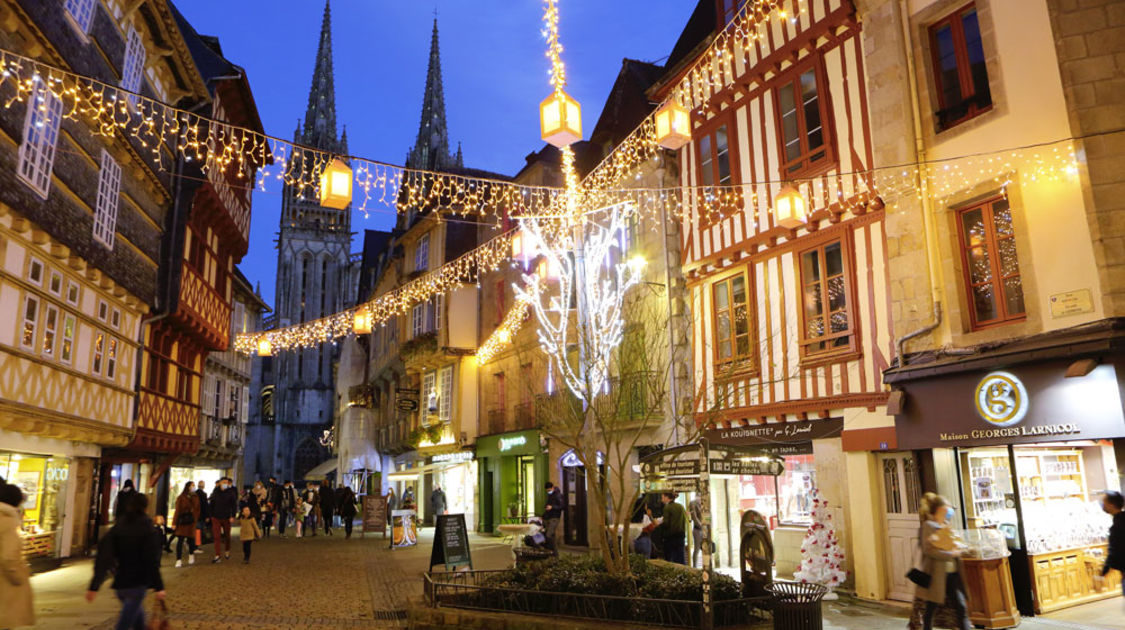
<point>109,193</point>
<point>133,67</point>
<point>43,483</point>
<point>990,264</point>
<point>40,137</point>
<point>758,493</point>
<point>66,352</point>
<point>35,272</point>
<point>795,488</point>
<point>422,253</point>
<point>960,73</point>
<point>81,12</point>
<point>30,322</point>
<point>50,330</point>
<point>716,165</point>
<point>99,353</point>
<point>802,118</point>
<point>825,287</point>
<point>733,325</point>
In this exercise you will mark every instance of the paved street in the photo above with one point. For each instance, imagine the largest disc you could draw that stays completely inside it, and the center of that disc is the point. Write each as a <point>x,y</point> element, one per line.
<point>321,583</point>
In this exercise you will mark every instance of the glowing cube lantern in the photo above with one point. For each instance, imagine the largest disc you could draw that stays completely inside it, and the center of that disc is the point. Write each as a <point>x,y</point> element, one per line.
<point>265,348</point>
<point>673,126</point>
<point>560,119</point>
<point>364,322</point>
<point>789,208</point>
<point>336,185</point>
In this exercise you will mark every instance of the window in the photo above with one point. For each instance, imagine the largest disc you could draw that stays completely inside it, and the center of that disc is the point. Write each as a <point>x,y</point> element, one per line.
<point>728,9</point>
<point>50,330</point>
<point>111,359</point>
<point>99,353</point>
<point>115,318</point>
<point>422,253</point>
<point>429,392</point>
<point>824,296</point>
<point>35,272</point>
<point>67,350</point>
<point>960,75</point>
<point>30,322</point>
<point>134,65</point>
<point>801,115</point>
<point>109,192</point>
<point>445,397</point>
<point>795,489</point>
<point>55,285</point>
<point>103,310</point>
<point>990,264</point>
<point>73,291</point>
<point>418,320</point>
<point>40,135</point>
<point>438,311</point>
<point>732,323</point>
<point>82,12</point>
<point>715,168</point>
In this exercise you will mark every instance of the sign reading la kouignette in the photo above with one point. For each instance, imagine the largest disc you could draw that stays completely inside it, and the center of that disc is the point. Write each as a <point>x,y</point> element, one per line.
<point>1019,405</point>
<point>778,438</point>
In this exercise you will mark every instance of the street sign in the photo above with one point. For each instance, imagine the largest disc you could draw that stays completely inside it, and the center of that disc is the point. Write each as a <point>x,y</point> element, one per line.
<point>407,391</point>
<point>747,466</point>
<point>406,404</point>
<point>674,468</point>
<point>656,485</point>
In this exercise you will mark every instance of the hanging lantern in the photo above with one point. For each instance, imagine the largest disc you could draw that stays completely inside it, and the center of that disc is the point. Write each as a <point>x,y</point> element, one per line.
<point>265,348</point>
<point>336,185</point>
<point>673,126</point>
<point>560,119</point>
<point>789,208</point>
<point>364,322</point>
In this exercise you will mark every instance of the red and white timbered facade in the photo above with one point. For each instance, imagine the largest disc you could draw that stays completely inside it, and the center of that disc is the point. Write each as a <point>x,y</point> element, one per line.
<point>789,323</point>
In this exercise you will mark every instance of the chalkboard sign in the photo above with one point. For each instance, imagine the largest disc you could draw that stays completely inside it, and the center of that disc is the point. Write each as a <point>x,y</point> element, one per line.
<point>375,513</point>
<point>451,542</point>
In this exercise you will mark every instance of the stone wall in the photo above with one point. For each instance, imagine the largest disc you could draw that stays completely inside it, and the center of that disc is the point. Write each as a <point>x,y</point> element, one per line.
<point>422,617</point>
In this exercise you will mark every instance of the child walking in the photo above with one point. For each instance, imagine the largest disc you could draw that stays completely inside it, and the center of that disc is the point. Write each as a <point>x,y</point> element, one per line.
<point>299,514</point>
<point>248,532</point>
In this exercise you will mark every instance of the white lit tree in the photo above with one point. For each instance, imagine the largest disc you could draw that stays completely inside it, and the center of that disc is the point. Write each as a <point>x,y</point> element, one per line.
<point>822,559</point>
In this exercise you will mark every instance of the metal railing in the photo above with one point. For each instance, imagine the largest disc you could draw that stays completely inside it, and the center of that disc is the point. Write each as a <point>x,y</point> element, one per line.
<point>497,417</point>
<point>470,590</point>
<point>525,415</point>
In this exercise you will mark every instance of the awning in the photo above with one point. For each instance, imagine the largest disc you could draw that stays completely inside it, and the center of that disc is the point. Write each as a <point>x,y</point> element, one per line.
<point>412,474</point>
<point>322,470</point>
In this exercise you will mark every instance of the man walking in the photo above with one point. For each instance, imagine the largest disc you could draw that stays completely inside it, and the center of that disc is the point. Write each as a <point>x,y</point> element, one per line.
<point>552,512</point>
<point>204,514</point>
<point>674,526</point>
<point>285,505</point>
<point>273,499</point>
<point>437,503</point>
<point>312,497</point>
<point>695,510</point>
<point>224,509</point>
<point>345,503</point>
<point>327,506</point>
<point>1114,505</point>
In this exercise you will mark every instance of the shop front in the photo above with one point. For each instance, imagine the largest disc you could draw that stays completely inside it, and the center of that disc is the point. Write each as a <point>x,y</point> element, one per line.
<point>512,469</point>
<point>178,476</point>
<point>455,472</point>
<point>1025,450</point>
<point>785,501</point>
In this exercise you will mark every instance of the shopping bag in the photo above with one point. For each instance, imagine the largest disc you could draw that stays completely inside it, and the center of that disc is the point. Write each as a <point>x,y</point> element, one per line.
<point>159,619</point>
<point>199,538</point>
<point>919,577</point>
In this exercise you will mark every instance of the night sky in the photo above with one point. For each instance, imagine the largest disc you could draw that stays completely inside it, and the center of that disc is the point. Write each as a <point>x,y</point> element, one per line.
<point>493,67</point>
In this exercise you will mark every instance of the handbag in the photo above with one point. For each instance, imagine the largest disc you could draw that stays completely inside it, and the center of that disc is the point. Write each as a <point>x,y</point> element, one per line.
<point>159,619</point>
<point>919,577</point>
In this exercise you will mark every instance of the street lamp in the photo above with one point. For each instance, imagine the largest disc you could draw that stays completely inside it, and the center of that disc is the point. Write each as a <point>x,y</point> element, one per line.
<point>364,322</point>
<point>673,126</point>
<point>265,348</point>
<point>560,119</point>
<point>336,185</point>
<point>789,209</point>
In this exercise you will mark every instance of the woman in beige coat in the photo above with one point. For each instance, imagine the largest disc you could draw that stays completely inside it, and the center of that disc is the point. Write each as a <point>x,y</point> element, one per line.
<point>15,587</point>
<point>941,560</point>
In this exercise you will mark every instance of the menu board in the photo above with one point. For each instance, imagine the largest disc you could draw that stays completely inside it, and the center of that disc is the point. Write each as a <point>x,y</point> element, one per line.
<point>403,531</point>
<point>451,542</point>
<point>375,513</point>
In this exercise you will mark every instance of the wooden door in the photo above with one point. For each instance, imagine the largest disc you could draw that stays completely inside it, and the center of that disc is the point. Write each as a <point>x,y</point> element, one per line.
<point>574,518</point>
<point>901,494</point>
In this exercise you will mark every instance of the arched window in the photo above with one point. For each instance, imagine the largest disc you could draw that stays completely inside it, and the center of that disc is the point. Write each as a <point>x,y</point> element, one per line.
<point>309,453</point>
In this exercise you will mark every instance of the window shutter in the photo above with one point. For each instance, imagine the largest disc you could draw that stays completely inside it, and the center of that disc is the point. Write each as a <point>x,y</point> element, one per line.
<point>109,194</point>
<point>132,69</point>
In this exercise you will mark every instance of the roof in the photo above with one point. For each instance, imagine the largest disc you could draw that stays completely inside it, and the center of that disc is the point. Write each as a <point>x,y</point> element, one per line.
<point>241,281</point>
<point>697,34</point>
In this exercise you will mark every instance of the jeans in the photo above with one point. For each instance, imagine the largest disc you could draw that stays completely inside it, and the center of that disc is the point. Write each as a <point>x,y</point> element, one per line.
<point>180,545</point>
<point>674,547</point>
<point>220,530</point>
<point>955,596</point>
<point>551,530</point>
<point>697,545</point>
<point>246,549</point>
<point>282,521</point>
<point>643,546</point>
<point>132,608</point>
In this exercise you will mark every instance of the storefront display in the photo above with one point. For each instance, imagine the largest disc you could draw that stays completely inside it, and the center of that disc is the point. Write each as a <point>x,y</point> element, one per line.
<point>511,471</point>
<point>43,482</point>
<point>178,476</point>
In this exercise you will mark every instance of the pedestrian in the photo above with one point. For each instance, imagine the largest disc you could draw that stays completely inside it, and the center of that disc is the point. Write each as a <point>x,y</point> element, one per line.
<point>695,511</point>
<point>408,499</point>
<point>204,515</point>
<point>165,533</point>
<point>673,525</point>
<point>224,509</point>
<point>286,507</point>
<point>248,532</point>
<point>131,552</point>
<point>1114,505</point>
<point>250,500</point>
<point>15,583</point>
<point>299,514</point>
<point>273,499</point>
<point>437,503</point>
<point>127,490</point>
<point>392,500</point>
<point>345,503</point>
<point>260,494</point>
<point>552,512</point>
<point>311,495</point>
<point>643,544</point>
<point>941,559</point>
<point>184,518</point>
<point>327,506</point>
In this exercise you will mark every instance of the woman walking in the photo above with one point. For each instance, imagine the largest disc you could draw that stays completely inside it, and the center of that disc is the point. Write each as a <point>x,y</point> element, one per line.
<point>941,560</point>
<point>15,586</point>
<point>131,552</point>
<point>345,506</point>
<point>327,506</point>
<point>186,516</point>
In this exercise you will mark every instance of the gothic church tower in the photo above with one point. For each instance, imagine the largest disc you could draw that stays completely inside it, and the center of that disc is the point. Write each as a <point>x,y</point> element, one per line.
<point>431,149</point>
<point>314,279</point>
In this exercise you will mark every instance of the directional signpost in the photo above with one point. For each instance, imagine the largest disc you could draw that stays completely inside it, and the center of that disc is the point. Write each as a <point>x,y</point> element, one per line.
<point>689,468</point>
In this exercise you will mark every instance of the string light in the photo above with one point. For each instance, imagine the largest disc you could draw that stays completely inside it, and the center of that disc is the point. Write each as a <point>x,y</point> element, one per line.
<point>504,333</point>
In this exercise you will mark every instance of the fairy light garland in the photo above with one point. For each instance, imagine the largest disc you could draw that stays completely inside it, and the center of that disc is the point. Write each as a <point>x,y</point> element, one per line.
<point>504,334</point>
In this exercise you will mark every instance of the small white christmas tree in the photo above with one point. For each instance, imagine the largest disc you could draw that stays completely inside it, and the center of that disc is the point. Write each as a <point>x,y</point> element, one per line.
<point>822,559</point>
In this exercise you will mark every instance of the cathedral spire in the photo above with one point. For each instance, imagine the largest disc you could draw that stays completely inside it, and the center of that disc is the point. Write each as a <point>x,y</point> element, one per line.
<point>320,117</point>
<point>431,149</point>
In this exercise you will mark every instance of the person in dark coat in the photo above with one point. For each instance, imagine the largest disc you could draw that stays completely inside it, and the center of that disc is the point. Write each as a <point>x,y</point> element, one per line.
<point>249,500</point>
<point>345,505</point>
<point>552,513</point>
<point>941,562</point>
<point>285,505</point>
<point>184,519</point>
<point>204,511</point>
<point>327,506</point>
<point>437,503</point>
<point>127,490</point>
<point>273,500</point>
<point>131,551</point>
<point>1114,505</point>
<point>224,509</point>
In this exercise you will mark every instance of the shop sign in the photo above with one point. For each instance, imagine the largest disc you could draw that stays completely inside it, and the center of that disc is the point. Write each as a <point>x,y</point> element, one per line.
<point>1071,303</point>
<point>1036,403</point>
<point>508,443</point>
<point>375,513</point>
<point>406,398</point>
<point>456,457</point>
<point>406,404</point>
<point>777,434</point>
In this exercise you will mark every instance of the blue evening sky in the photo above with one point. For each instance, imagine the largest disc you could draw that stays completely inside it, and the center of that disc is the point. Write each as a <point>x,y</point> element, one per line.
<point>493,67</point>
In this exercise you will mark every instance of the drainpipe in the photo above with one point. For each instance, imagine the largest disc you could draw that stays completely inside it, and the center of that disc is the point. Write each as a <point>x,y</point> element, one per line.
<point>923,188</point>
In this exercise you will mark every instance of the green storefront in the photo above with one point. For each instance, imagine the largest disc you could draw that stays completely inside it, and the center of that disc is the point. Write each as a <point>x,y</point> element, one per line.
<point>513,470</point>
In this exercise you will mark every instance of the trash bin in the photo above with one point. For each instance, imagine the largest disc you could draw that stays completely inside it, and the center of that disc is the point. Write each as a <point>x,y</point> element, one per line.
<point>796,605</point>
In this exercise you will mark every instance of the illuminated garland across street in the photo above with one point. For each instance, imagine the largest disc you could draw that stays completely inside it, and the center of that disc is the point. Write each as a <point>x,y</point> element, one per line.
<point>165,131</point>
<point>504,333</point>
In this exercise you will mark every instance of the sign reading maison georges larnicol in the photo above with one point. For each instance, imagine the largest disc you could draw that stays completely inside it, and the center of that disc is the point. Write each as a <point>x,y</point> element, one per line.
<point>1019,405</point>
